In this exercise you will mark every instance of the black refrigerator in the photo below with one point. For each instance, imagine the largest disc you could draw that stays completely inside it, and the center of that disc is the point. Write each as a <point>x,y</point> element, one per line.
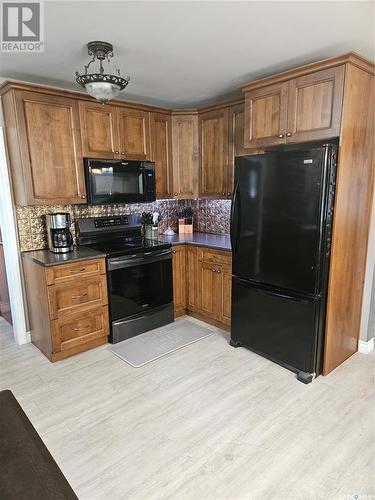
<point>281,233</point>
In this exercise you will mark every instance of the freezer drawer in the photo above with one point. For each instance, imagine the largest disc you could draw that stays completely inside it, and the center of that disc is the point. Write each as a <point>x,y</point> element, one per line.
<point>276,325</point>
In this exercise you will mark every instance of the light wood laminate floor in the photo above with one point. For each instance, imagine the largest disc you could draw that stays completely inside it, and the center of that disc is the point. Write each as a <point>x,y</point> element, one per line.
<point>207,422</point>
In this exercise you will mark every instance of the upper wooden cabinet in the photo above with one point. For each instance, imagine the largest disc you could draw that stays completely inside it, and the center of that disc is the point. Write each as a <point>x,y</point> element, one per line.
<point>300,109</point>
<point>44,147</point>
<point>185,155</point>
<point>161,153</point>
<point>213,146</point>
<point>314,105</point>
<point>134,133</point>
<point>114,131</point>
<point>98,129</point>
<point>221,140</point>
<point>265,115</point>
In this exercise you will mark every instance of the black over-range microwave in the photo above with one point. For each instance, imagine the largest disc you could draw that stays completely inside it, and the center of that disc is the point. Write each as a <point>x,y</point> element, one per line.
<point>119,181</point>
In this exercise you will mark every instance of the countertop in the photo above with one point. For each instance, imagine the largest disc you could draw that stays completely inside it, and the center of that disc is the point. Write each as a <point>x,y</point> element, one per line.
<point>219,241</point>
<point>46,258</point>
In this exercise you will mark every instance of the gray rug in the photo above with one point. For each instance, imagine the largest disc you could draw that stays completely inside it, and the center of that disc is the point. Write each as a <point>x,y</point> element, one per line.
<point>147,347</point>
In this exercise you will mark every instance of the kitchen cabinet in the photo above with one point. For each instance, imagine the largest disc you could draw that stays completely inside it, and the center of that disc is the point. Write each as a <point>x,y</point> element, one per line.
<point>213,148</point>
<point>192,278</point>
<point>114,131</point>
<point>161,153</point>
<point>314,105</point>
<point>185,155</point>
<point>214,280</point>
<point>67,306</point>
<point>179,279</point>
<point>44,147</point>
<point>133,129</point>
<point>300,109</point>
<point>221,140</point>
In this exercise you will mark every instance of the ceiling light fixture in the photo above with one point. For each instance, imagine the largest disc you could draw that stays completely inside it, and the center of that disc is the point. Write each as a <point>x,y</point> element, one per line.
<point>102,86</point>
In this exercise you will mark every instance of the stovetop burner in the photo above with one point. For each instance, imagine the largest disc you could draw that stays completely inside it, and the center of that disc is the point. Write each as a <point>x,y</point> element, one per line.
<point>124,246</point>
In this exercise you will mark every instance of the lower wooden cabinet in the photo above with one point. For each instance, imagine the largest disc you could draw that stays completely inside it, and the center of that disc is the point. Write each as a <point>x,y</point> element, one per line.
<point>179,279</point>
<point>67,306</point>
<point>202,284</point>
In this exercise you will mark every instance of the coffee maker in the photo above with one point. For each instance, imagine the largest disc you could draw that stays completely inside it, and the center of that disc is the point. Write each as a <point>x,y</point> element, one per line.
<point>60,239</point>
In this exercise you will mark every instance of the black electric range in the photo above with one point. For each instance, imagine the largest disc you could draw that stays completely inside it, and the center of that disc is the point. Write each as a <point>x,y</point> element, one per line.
<point>139,274</point>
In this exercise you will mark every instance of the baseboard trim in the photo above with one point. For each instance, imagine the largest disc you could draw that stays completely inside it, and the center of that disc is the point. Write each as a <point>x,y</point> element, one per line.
<point>366,347</point>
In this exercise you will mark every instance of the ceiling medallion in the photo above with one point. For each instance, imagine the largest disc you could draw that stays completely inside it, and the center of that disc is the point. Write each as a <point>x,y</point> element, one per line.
<point>102,86</point>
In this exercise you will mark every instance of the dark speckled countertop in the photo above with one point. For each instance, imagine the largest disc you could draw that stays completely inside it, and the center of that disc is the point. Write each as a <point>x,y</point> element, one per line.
<point>46,258</point>
<point>219,241</point>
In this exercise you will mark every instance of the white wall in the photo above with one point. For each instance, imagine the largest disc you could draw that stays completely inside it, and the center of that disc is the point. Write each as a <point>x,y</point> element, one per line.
<point>9,234</point>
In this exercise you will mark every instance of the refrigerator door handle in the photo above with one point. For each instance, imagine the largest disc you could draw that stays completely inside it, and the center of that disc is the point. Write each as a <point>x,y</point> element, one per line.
<point>287,297</point>
<point>235,219</point>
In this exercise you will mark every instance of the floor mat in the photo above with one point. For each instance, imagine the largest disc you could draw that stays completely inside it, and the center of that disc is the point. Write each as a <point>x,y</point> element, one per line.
<point>149,346</point>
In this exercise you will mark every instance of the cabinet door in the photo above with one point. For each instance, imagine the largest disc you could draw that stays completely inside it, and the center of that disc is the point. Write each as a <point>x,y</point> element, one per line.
<point>192,278</point>
<point>236,141</point>
<point>185,156</point>
<point>98,130</point>
<point>179,279</point>
<point>209,289</point>
<point>134,130</point>
<point>50,147</point>
<point>76,330</point>
<point>315,102</point>
<point>161,153</point>
<point>266,115</point>
<point>213,127</point>
<point>226,296</point>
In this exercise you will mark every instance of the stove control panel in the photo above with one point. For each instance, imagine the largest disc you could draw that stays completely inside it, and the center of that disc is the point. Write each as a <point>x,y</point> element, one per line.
<point>111,221</point>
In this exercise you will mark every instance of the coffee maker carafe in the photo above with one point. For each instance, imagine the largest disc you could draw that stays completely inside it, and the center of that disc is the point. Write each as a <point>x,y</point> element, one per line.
<point>60,239</point>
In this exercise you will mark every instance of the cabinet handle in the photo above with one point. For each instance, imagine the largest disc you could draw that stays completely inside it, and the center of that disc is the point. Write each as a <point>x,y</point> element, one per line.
<point>74,271</point>
<point>83,196</point>
<point>281,136</point>
<point>82,328</point>
<point>79,296</point>
<point>289,134</point>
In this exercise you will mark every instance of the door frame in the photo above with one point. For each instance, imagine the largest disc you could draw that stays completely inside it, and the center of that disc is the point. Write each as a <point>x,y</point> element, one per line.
<point>12,256</point>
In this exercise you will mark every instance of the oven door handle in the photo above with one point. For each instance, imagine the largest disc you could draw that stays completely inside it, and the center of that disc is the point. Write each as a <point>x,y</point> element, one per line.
<point>139,259</point>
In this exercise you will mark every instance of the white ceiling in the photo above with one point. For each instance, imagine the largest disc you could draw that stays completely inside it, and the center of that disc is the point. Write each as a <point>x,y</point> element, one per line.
<point>184,54</point>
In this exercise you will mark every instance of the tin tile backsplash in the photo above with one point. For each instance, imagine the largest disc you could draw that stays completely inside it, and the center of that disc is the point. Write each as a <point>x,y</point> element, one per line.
<point>210,216</point>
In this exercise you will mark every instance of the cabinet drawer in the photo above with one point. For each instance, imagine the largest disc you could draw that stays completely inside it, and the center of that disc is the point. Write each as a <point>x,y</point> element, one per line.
<point>80,295</point>
<point>77,329</point>
<point>219,257</point>
<point>70,272</point>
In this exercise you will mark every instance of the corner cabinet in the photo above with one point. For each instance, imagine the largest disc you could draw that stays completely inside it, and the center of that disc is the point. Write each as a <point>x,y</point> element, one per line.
<point>185,155</point>
<point>114,131</point>
<point>44,148</point>
<point>301,109</point>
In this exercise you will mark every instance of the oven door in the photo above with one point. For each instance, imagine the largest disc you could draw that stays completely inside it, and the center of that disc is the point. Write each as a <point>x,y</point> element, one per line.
<point>140,282</point>
<point>110,181</point>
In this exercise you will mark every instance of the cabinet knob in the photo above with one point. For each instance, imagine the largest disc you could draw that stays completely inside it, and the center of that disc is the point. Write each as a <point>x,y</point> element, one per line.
<point>224,194</point>
<point>173,251</point>
<point>175,194</point>
<point>289,134</point>
<point>83,196</point>
<point>281,136</point>
<point>229,194</point>
<point>116,152</point>
<point>122,152</point>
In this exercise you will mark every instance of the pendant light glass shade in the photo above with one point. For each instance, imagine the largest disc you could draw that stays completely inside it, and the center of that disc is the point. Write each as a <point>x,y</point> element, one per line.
<point>102,86</point>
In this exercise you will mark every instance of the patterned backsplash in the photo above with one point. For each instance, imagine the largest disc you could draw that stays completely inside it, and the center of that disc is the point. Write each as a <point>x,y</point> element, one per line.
<point>210,216</point>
